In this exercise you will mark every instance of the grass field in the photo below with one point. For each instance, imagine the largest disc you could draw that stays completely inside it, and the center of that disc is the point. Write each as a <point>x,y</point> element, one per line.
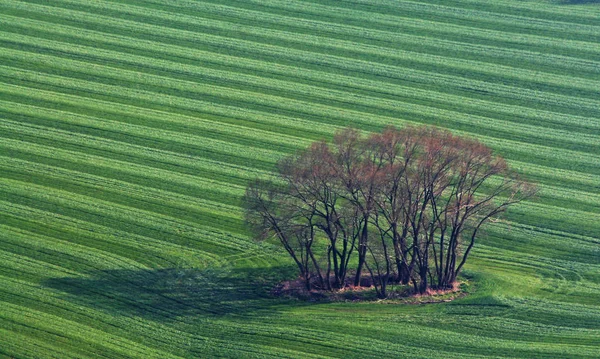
<point>130,128</point>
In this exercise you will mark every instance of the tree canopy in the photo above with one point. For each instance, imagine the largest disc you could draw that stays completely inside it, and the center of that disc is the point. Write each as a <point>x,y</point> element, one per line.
<point>401,206</point>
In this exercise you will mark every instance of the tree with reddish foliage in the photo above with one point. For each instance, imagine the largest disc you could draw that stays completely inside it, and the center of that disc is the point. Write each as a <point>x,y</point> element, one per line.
<point>406,206</point>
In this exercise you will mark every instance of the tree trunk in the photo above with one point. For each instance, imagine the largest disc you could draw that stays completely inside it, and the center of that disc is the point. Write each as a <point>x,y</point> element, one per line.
<point>362,252</point>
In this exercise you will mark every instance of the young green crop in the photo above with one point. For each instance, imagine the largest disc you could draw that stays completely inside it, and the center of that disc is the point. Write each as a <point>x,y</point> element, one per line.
<point>129,130</point>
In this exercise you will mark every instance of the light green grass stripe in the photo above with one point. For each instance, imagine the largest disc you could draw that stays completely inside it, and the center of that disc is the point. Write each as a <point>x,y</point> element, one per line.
<point>316,77</point>
<point>233,95</point>
<point>439,79</point>
<point>207,144</point>
<point>197,183</point>
<point>585,179</point>
<point>549,244</point>
<point>557,175</point>
<point>162,250</point>
<point>348,13</point>
<point>398,54</point>
<point>177,200</point>
<point>146,332</point>
<point>101,259</point>
<point>20,345</point>
<point>464,66</point>
<point>589,179</point>
<point>488,17</point>
<point>27,264</point>
<point>419,10</point>
<point>568,157</point>
<point>222,41</point>
<point>549,8</point>
<point>113,165</point>
<point>446,341</point>
<point>218,341</point>
<point>113,239</point>
<point>136,197</point>
<point>99,209</point>
<point>59,326</point>
<point>518,329</point>
<point>391,39</point>
<point>561,194</point>
<point>544,97</point>
<point>149,81</point>
<point>122,188</point>
<point>194,127</point>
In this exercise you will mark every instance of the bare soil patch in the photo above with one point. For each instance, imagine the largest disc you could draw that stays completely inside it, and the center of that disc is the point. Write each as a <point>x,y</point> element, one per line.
<point>405,294</point>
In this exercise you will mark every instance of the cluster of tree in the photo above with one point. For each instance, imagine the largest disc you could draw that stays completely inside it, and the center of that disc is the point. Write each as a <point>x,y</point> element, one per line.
<point>403,206</point>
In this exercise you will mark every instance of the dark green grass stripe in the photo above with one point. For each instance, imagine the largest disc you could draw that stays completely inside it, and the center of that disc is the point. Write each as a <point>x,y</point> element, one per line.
<point>560,178</point>
<point>443,66</point>
<point>159,154</point>
<point>198,213</point>
<point>454,104</point>
<point>384,39</point>
<point>571,252</point>
<point>563,219</point>
<point>587,143</point>
<point>547,10</point>
<point>293,106</point>
<point>17,334</point>
<point>382,22</point>
<point>61,330</point>
<point>446,341</point>
<point>113,239</point>
<point>72,178</point>
<point>470,89</point>
<point>54,79</point>
<point>557,203</point>
<point>406,25</point>
<point>401,9</point>
<point>125,326</point>
<point>29,177</point>
<point>372,37</point>
<point>22,135</point>
<point>369,104</point>
<point>246,66</point>
<point>90,238</point>
<point>220,338</point>
<point>104,213</point>
<point>550,195</point>
<point>205,192</point>
<point>34,149</point>
<point>552,101</point>
<point>473,18</point>
<point>465,69</point>
<point>562,197</point>
<point>150,127</point>
<point>52,251</point>
<point>32,268</point>
<point>149,251</point>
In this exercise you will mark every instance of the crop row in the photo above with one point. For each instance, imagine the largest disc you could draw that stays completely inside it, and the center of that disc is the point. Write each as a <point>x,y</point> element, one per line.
<point>178,57</point>
<point>293,91</point>
<point>277,53</point>
<point>541,155</point>
<point>474,70</point>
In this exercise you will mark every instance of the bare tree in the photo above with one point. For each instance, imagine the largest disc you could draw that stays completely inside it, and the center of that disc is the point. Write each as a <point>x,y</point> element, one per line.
<point>410,203</point>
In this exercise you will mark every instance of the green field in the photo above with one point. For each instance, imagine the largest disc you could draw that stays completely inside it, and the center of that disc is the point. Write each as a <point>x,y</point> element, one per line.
<point>130,128</point>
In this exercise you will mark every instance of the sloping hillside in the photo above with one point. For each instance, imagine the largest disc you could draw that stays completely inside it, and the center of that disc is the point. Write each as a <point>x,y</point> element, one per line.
<point>129,130</point>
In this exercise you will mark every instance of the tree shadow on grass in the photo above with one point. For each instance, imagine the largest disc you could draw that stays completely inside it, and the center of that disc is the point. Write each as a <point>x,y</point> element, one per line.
<point>169,294</point>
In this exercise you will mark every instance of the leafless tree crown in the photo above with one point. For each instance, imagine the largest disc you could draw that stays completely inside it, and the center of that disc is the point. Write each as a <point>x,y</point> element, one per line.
<point>403,206</point>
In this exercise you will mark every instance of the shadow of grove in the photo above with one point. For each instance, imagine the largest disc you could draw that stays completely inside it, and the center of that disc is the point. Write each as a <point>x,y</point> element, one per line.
<point>167,294</point>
